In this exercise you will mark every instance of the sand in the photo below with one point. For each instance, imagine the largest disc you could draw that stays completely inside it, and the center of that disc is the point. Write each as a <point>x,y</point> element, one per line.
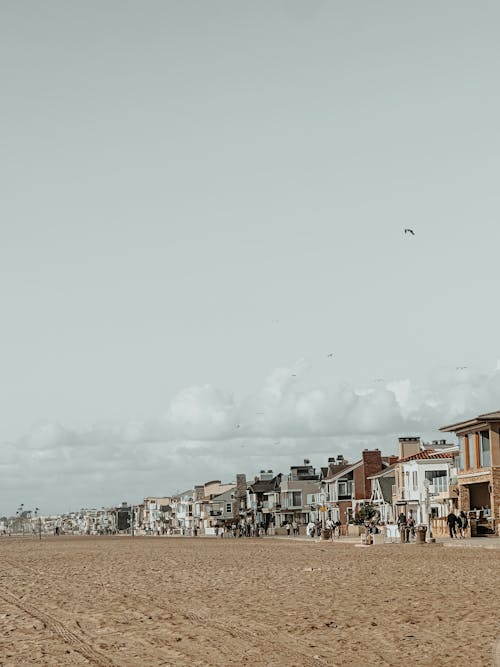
<point>202,602</point>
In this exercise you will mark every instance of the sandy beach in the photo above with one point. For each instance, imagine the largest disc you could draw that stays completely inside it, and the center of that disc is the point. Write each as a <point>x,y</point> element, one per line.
<point>266,602</point>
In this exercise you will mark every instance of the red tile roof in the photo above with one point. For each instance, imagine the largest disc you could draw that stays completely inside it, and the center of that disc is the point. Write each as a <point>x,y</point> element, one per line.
<point>428,454</point>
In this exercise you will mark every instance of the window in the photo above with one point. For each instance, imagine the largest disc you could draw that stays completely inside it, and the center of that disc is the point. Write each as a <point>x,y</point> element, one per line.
<point>469,443</point>
<point>296,498</point>
<point>432,474</point>
<point>342,489</point>
<point>484,452</point>
<point>415,484</point>
<point>229,508</point>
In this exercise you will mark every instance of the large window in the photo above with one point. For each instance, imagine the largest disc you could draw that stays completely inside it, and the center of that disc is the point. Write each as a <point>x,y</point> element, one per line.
<point>432,474</point>
<point>296,498</point>
<point>484,450</point>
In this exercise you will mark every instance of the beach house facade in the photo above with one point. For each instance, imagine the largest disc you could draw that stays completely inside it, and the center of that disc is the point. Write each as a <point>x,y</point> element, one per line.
<point>478,471</point>
<point>348,486</point>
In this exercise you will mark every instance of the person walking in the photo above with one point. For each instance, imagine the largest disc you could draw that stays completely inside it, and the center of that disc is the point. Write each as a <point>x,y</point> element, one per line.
<point>451,520</point>
<point>410,527</point>
<point>402,526</point>
<point>463,523</point>
<point>295,527</point>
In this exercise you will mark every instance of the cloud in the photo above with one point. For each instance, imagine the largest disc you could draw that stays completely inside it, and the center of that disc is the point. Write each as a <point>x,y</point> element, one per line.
<point>206,433</point>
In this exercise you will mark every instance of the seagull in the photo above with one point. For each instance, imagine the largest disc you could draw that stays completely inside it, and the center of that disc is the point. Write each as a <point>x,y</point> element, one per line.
<point>330,354</point>
<point>378,380</point>
<point>461,368</point>
<point>294,375</point>
<point>409,231</point>
<point>238,425</point>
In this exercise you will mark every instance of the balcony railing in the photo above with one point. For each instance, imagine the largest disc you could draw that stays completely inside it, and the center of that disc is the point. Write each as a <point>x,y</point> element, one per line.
<point>439,485</point>
<point>404,493</point>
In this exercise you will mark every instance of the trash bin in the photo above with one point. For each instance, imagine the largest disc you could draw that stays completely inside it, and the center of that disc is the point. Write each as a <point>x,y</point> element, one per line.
<point>421,531</point>
<point>325,534</point>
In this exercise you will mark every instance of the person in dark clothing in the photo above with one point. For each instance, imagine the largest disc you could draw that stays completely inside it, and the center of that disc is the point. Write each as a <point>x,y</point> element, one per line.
<point>463,523</point>
<point>402,526</point>
<point>451,520</point>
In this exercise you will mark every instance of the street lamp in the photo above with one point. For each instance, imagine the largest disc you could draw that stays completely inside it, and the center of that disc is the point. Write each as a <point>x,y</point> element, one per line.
<point>19,514</point>
<point>427,505</point>
<point>39,523</point>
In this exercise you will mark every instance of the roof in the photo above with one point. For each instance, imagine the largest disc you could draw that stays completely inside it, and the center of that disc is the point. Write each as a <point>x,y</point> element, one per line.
<point>425,455</point>
<point>262,485</point>
<point>344,471</point>
<point>386,472</point>
<point>451,450</point>
<point>480,420</point>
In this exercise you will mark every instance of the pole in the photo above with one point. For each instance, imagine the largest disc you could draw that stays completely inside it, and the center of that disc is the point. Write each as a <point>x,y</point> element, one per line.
<point>132,520</point>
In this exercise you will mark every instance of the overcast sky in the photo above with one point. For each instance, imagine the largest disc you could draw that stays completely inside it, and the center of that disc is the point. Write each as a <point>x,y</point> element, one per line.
<point>199,201</point>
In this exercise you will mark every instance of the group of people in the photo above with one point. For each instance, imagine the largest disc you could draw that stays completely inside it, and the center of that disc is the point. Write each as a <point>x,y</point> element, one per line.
<point>406,526</point>
<point>292,526</point>
<point>460,522</point>
<point>241,529</point>
<point>457,525</point>
<point>313,528</point>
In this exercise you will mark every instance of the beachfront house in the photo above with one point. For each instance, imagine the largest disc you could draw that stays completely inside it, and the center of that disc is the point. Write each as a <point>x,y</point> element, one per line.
<point>478,471</point>
<point>303,480</point>
<point>216,504</point>
<point>155,515</point>
<point>348,486</point>
<point>261,497</point>
<point>184,516</point>
<point>421,483</point>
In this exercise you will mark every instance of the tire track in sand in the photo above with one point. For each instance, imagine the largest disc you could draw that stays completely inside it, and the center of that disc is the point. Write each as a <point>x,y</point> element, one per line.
<point>281,648</point>
<point>58,628</point>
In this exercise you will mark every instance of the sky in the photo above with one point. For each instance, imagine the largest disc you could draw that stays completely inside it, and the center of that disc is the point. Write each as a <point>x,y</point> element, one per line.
<point>201,201</point>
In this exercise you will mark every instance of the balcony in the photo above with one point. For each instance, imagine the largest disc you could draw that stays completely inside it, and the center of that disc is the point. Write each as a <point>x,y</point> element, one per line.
<point>439,485</point>
<point>404,493</point>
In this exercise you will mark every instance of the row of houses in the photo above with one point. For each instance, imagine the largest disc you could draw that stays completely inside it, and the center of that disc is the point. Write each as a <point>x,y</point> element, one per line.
<point>427,480</point>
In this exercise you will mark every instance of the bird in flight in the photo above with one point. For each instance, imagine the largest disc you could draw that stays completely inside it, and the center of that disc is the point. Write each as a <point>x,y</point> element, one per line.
<point>238,425</point>
<point>294,375</point>
<point>461,368</point>
<point>409,231</point>
<point>378,380</point>
<point>330,354</point>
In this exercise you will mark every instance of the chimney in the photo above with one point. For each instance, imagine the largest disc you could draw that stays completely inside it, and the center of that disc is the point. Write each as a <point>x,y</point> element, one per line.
<point>199,492</point>
<point>240,494</point>
<point>408,446</point>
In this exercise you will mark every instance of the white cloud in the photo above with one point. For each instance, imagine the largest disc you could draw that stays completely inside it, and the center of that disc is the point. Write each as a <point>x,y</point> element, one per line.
<point>198,436</point>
